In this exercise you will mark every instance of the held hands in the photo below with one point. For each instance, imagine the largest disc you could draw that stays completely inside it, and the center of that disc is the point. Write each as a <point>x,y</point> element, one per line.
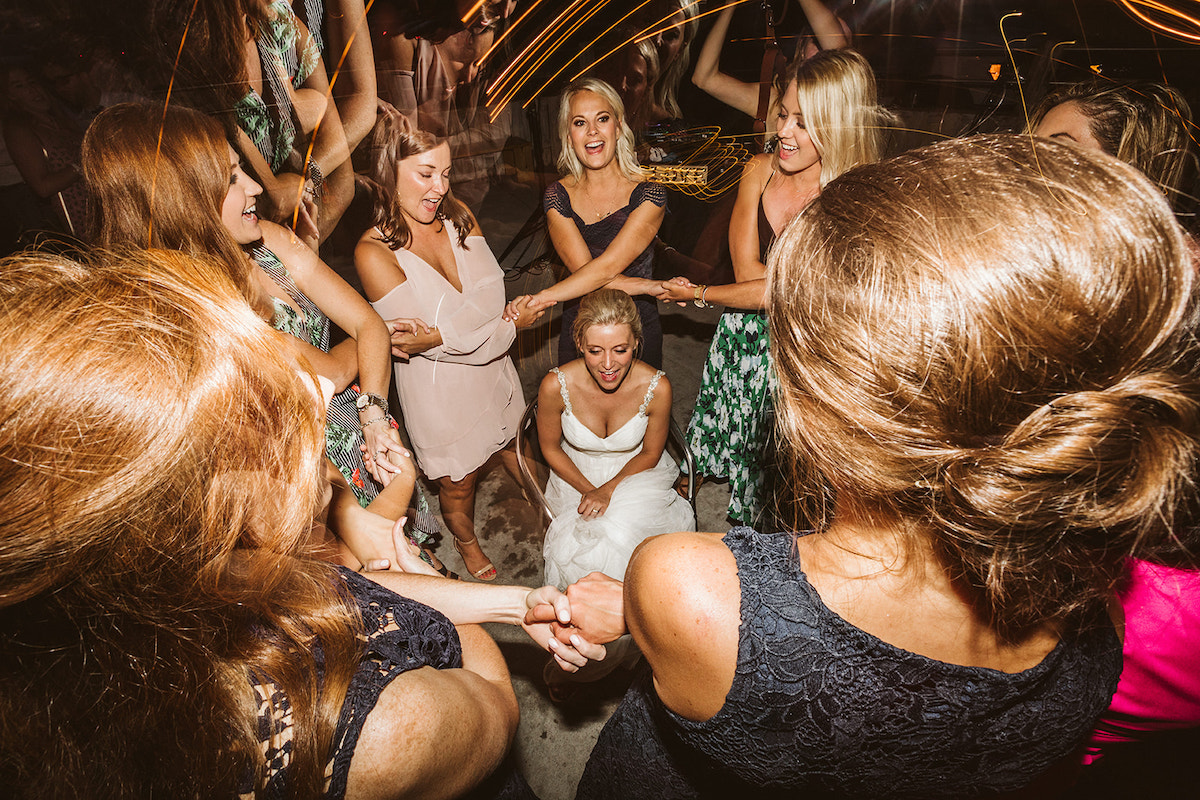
<point>410,336</point>
<point>549,609</point>
<point>677,290</point>
<point>525,310</point>
<point>407,556</point>
<point>386,458</point>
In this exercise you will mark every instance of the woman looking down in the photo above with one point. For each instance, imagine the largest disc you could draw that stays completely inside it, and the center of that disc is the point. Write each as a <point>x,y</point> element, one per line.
<point>603,421</point>
<point>425,258</point>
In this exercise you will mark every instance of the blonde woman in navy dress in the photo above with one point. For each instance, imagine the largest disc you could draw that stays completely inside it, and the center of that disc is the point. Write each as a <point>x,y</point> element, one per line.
<point>602,216</point>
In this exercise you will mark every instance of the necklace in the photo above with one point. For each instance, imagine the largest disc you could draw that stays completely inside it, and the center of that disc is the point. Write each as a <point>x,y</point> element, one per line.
<point>592,202</point>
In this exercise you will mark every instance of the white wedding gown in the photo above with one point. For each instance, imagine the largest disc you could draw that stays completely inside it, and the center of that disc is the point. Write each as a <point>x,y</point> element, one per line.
<point>642,505</point>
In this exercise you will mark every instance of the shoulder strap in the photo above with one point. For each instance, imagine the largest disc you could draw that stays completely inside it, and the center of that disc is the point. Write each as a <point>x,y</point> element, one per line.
<point>650,392</point>
<point>562,388</point>
<point>766,75</point>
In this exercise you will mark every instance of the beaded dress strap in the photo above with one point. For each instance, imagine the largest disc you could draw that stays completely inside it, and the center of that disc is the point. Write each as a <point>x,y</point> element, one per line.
<point>650,392</point>
<point>562,389</point>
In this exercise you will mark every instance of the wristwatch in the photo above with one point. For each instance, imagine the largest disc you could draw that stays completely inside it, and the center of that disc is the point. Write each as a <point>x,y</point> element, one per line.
<point>368,399</point>
<point>698,296</point>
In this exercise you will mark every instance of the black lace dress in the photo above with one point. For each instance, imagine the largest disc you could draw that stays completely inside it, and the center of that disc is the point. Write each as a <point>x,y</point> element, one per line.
<point>401,635</point>
<point>820,708</point>
<point>598,236</point>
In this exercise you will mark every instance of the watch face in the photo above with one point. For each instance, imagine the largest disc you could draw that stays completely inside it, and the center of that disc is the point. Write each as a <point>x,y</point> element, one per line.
<point>363,401</point>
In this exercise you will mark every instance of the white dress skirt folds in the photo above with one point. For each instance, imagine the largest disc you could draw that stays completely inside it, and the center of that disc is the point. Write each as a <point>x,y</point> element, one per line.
<point>461,400</point>
<point>642,505</point>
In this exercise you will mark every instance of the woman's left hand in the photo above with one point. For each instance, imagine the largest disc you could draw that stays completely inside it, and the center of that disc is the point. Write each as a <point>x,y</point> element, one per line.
<point>407,556</point>
<point>385,456</point>
<point>677,290</point>
<point>594,503</point>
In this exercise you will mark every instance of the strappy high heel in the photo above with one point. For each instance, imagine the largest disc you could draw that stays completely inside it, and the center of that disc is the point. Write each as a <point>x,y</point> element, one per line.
<point>480,573</point>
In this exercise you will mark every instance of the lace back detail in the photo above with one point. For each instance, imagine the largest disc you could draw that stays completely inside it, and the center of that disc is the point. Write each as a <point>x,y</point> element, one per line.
<point>649,392</point>
<point>562,389</point>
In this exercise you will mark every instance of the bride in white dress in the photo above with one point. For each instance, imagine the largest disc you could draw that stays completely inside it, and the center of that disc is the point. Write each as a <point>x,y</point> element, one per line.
<point>602,423</point>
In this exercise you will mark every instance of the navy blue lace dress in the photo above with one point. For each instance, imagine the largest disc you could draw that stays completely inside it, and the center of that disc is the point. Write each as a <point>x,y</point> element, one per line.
<point>820,708</point>
<point>598,236</point>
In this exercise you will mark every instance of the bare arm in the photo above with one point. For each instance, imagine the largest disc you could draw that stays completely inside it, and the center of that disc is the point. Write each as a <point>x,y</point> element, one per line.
<point>826,26</point>
<point>549,428</point>
<point>743,222</point>
<point>682,605</point>
<point>707,74</point>
<point>636,235</point>
<point>750,290</point>
<point>27,153</point>
<point>437,733</point>
<point>354,315</point>
<point>354,86</point>
<point>339,365</point>
<point>338,301</point>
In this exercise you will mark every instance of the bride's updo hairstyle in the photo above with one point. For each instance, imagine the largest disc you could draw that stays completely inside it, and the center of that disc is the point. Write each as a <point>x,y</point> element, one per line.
<point>606,307</point>
<point>991,339</point>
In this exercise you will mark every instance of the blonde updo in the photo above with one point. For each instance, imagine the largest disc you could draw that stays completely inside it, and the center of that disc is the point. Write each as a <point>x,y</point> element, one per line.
<point>606,307</point>
<point>991,338</point>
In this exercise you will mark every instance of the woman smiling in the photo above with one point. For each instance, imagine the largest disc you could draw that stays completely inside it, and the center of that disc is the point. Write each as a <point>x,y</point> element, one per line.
<point>426,258</point>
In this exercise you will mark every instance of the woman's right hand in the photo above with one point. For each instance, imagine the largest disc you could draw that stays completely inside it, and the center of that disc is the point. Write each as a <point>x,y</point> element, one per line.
<point>398,328</point>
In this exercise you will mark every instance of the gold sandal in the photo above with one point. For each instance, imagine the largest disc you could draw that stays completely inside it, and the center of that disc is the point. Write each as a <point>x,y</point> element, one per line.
<point>480,573</point>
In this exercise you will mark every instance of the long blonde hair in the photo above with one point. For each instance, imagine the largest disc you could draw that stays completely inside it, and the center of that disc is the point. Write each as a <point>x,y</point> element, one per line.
<point>568,162</point>
<point>837,95</point>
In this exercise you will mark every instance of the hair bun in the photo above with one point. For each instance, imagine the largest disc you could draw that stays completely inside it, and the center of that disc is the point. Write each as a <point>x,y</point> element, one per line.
<point>1082,481</point>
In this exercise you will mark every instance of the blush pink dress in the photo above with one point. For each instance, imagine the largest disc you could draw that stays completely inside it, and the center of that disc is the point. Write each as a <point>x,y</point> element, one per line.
<point>461,401</point>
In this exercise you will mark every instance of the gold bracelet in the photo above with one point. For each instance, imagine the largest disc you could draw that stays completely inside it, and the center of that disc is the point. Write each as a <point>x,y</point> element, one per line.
<point>698,296</point>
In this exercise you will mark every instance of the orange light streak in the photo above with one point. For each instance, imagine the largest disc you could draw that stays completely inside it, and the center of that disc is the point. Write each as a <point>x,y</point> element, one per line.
<point>509,29</point>
<point>584,50</point>
<point>643,35</point>
<point>166,105</point>
<point>532,47</point>
<point>503,101</point>
<point>1132,7</point>
<point>478,5</point>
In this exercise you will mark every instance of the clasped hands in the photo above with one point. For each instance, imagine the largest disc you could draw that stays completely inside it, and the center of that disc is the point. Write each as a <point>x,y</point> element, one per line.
<point>525,309</point>
<point>596,617</point>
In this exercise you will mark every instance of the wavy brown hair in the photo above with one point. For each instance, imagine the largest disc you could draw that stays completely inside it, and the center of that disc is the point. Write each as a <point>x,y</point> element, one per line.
<point>991,338</point>
<point>1148,125</point>
<point>158,178</point>
<point>392,140</point>
<point>158,509</point>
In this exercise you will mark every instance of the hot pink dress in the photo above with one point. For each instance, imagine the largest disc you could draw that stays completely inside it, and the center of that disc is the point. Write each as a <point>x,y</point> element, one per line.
<point>462,401</point>
<point>1160,682</point>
